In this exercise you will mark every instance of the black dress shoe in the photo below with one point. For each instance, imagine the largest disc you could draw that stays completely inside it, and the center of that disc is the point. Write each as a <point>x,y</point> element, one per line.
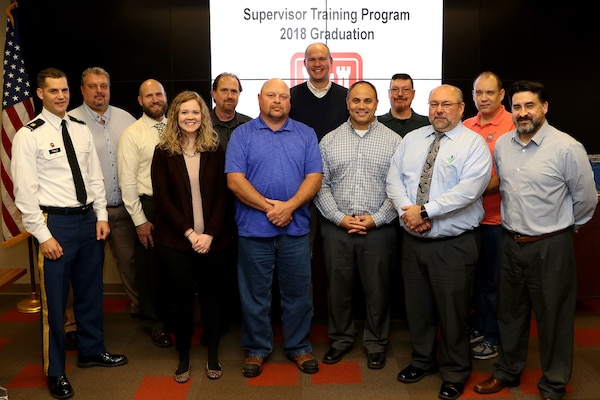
<point>101,360</point>
<point>376,360</point>
<point>59,387</point>
<point>161,338</point>
<point>334,355</point>
<point>451,390</point>
<point>71,340</point>
<point>412,374</point>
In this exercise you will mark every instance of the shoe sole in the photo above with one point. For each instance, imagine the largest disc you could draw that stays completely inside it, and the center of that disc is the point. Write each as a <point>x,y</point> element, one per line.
<point>507,385</point>
<point>97,364</point>
<point>251,374</point>
<point>486,356</point>
<point>427,373</point>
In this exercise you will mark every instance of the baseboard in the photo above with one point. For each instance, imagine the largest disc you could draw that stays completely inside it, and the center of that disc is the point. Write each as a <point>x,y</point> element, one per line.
<point>24,288</point>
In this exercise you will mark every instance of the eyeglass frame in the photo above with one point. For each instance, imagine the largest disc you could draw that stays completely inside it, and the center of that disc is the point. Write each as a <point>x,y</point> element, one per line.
<point>404,90</point>
<point>445,105</point>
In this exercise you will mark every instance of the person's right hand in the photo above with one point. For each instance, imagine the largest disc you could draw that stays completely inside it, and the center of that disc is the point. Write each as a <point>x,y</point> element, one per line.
<point>144,232</point>
<point>51,249</point>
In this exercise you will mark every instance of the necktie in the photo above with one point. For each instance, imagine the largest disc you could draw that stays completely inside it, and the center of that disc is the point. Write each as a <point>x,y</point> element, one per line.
<point>160,127</point>
<point>425,181</point>
<point>72,157</point>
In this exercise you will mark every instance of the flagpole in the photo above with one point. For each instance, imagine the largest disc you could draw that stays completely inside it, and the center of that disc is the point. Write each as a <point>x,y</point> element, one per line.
<point>32,304</point>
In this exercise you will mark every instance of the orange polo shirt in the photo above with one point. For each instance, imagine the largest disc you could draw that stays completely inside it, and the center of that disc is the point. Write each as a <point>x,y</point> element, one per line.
<point>501,124</point>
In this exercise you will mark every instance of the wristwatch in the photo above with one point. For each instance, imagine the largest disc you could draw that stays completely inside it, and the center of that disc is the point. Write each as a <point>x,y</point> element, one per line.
<point>424,214</point>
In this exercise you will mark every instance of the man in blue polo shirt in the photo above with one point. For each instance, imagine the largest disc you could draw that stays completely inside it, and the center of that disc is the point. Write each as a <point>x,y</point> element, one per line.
<point>274,169</point>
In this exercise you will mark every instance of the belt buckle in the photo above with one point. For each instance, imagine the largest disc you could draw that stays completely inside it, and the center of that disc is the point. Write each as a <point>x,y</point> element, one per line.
<point>517,236</point>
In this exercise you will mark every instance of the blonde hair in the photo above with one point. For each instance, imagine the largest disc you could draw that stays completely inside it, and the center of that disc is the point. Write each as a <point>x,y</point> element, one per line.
<point>171,140</point>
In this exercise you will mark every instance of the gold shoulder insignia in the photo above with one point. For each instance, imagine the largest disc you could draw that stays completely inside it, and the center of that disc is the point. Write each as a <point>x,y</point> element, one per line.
<point>76,120</point>
<point>36,123</point>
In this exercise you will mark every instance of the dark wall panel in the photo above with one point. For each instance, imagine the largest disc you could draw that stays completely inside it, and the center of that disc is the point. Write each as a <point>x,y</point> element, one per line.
<point>556,43</point>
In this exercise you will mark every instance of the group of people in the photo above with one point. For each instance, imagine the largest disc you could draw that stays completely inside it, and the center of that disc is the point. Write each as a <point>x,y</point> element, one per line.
<point>477,215</point>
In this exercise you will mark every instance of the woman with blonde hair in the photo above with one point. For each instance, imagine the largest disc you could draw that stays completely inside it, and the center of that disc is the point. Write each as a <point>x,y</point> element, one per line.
<point>191,229</point>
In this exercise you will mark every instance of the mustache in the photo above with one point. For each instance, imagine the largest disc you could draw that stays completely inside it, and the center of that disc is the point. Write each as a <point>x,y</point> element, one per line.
<point>524,118</point>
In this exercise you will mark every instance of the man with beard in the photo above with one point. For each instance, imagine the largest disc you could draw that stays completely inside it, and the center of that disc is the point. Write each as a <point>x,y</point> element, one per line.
<point>226,90</point>
<point>436,180</point>
<point>401,118</point>
<point>273,167</point>
<point>135,152</point>
<point>548,191</point>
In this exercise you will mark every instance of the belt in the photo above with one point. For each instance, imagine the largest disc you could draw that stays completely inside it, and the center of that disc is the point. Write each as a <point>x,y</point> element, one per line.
<point>442,238</point>
<point>520,238</point>
<point>118,205</point>
<point>67,210</point>
<point>145,197</point>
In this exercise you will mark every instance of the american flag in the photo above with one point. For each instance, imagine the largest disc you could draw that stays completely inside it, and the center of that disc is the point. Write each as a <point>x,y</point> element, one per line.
<point>17,110</point>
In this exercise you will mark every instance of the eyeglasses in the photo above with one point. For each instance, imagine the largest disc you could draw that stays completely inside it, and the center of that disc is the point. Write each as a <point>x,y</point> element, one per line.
<point>272,96</point>
<point>404,90</point>
<point>445,105</point>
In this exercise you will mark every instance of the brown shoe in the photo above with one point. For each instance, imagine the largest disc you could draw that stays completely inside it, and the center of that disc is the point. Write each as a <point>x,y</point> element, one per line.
<point>253,366</point>
<point>493,385</point>
<point>161,338</point>
<point>305,362</point>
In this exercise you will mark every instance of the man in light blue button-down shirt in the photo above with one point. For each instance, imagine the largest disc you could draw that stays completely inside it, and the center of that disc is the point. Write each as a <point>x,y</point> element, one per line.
<point>440,245</point>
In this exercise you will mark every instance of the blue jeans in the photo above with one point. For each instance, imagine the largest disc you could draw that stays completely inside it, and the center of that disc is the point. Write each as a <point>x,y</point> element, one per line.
<point>257,260</point>
<point>484,317</point>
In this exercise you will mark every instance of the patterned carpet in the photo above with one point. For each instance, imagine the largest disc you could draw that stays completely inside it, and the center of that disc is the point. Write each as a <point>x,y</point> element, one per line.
<point>148,375</point>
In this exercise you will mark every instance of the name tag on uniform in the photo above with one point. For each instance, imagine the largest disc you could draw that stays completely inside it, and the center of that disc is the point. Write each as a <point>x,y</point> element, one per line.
<point>54,151</point>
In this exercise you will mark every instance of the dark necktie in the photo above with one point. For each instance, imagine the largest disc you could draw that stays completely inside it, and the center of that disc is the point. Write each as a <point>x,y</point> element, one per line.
<point>425,181</point>
<point>160,127</point>
<point>72,157</point>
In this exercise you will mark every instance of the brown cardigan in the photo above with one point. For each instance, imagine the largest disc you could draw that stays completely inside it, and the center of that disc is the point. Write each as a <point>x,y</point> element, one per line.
<point>173,199</point>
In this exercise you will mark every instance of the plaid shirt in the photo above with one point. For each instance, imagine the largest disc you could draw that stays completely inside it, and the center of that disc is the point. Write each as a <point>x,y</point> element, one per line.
<point>354,173</point>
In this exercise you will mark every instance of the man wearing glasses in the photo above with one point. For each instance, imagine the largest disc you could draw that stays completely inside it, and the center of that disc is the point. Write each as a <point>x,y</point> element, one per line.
<point>436,180</point>
<point>401,118</point>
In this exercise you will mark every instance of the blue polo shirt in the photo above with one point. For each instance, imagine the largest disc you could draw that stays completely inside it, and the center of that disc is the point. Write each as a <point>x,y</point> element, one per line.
<point>275,163</point>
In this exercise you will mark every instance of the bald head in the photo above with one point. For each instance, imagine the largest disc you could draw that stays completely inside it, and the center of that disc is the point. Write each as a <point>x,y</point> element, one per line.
<point>153,99</point>
<point>274,101</point>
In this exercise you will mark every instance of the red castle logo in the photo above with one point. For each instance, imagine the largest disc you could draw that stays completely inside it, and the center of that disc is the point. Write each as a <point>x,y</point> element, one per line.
<point>345,69</point>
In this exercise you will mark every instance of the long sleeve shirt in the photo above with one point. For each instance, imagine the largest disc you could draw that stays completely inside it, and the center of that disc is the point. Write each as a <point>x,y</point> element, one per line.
<point>136,149</point>
<point>460,175</point>
<point>547,184</point>
<point>354,173</point>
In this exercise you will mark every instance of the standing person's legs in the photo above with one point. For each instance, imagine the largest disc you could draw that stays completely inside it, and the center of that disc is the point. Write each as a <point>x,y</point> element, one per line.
<point>553,291</point>
<point>149,279</point>
<point>514,310</point>
<point>421,312</point>
<point>294,271</point>
<point>256,266</point>
<point>452,264</point>
<point>180,286</point>
<point>338,251</point>
<point>86,280</point>
<point>376,253</point>
<point>485,317</point>
<point>54,290</point>
<point>122,241</point>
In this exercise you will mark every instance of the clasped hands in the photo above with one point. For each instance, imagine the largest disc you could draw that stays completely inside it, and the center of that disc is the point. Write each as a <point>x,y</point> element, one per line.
<point>357,224</point>
<point>412,219</point>
<point>200,242</point>
<point>279,213</point>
